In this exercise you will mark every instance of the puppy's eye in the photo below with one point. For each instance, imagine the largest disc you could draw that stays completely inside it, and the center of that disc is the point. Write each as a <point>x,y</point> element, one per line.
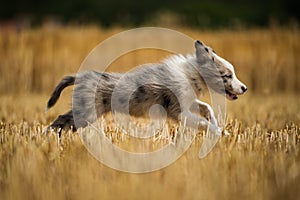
<point>228,76</point>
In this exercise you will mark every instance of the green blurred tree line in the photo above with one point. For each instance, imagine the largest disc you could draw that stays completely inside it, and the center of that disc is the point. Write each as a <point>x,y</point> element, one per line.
<point>202,13</point>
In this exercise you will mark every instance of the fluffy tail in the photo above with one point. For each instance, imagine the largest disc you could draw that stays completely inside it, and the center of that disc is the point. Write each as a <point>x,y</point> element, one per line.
<point>65,82</point>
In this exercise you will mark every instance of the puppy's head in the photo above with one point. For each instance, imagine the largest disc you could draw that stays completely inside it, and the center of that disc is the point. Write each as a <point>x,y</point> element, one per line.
<point>217,72</point>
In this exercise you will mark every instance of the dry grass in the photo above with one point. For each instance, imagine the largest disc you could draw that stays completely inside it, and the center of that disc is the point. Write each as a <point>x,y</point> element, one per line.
<point>259,160</point>
<point>34,60</point>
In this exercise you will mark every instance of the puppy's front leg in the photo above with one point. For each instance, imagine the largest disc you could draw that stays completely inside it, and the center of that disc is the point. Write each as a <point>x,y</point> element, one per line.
<point>205,110</point>
<point>195,121</point>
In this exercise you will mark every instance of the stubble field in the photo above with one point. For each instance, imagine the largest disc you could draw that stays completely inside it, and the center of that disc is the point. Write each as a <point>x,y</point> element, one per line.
<point>260,159</point>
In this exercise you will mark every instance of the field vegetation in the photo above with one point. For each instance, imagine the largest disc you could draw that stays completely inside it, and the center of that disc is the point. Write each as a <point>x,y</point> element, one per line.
<point>260,159</point>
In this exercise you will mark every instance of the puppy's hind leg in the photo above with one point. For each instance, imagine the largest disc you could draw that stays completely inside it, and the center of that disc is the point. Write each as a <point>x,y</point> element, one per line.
<point>65,121</point>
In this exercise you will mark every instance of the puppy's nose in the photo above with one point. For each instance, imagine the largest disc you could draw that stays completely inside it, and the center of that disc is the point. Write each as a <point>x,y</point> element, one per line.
<point>244,89</point>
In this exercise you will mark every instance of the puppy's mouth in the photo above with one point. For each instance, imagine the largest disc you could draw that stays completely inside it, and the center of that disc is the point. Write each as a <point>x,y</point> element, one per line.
<point>230,95</point>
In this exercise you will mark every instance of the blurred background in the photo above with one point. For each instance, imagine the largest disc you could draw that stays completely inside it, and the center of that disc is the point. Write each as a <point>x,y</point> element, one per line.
<point>42,41</point>
<point>195,13</point>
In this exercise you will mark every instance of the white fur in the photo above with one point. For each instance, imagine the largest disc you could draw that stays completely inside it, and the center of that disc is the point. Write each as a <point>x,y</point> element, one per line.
<point>236,84</point>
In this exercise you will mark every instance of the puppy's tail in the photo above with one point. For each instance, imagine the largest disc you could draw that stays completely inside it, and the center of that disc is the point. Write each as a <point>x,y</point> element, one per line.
<point>65,82</point>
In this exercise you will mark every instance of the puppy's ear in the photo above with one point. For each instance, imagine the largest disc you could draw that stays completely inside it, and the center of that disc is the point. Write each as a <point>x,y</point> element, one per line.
<point>198,42</point>
<point>201,50</point>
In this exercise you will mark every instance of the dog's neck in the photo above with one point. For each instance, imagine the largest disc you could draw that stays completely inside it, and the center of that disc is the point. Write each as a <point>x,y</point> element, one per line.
<point>189,67</point>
